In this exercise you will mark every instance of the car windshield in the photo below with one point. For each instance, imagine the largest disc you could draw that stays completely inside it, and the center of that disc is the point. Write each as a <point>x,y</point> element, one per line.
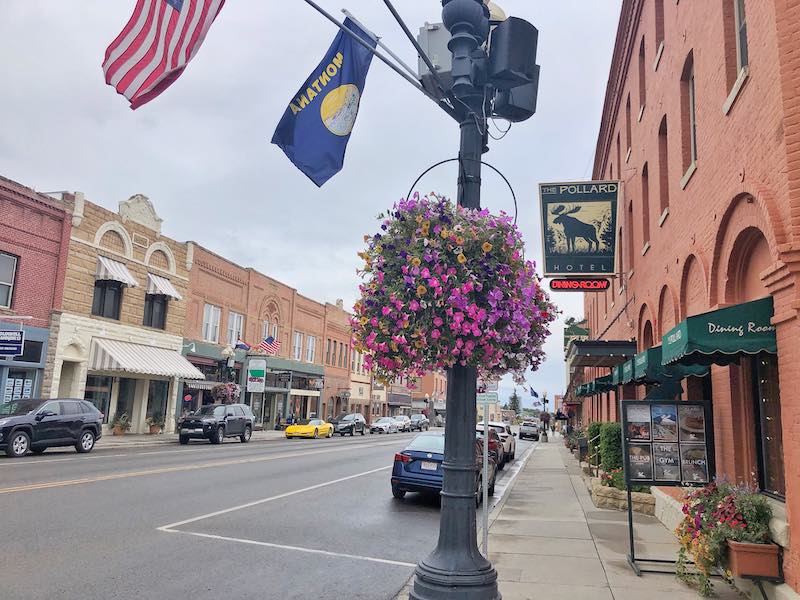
<point>417,417</point>
<point>349,418</point>
<point>427,443</point>
<point>529,424</point>
<point>18,407</point>
<point>498,428</point>
<point>384,420</point>
<point>400,418</point>
<point>208,410</point>
<point>316,422</point>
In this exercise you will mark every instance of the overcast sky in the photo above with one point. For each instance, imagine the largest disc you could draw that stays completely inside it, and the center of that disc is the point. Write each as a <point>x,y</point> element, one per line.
<point>201,150</point>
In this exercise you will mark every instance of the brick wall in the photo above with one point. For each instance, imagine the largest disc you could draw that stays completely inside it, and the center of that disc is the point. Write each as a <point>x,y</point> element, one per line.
<point>36,229</point>
<point>728,228</point>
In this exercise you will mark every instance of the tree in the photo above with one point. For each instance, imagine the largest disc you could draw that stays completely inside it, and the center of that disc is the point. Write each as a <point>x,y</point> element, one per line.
<point>514,403</point>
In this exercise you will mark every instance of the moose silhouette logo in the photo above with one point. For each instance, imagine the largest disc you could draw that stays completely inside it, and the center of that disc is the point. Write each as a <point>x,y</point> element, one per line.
<point>574,228</point>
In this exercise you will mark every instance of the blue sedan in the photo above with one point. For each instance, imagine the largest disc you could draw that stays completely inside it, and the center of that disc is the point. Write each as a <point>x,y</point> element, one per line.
<point>418,468</point>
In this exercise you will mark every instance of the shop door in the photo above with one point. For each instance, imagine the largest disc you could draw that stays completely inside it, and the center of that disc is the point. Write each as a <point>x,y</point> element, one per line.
<point>769,432</point>
<point>125,399</point>
<point>157,398</point>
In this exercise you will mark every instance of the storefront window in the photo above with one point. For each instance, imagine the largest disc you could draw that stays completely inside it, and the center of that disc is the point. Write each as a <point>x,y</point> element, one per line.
<point>770,434</point>
<point>19,384</point>
<point>98,392</point>
<point>157,398</point>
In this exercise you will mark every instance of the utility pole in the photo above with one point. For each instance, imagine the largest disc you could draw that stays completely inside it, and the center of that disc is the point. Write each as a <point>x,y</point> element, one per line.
<point>456,568</point>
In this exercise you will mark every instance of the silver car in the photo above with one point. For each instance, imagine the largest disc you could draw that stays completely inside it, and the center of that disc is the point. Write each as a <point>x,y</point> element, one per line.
<point>529,429</point>
<point>403,422</point>
<point>384,425</point>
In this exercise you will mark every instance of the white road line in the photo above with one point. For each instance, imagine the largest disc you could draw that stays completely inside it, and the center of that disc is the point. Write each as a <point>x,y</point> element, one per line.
<point>295,548</point>
<point>171,526</point>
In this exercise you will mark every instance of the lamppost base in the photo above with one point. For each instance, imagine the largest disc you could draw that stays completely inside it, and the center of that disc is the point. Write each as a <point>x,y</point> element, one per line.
<point>431,583</point>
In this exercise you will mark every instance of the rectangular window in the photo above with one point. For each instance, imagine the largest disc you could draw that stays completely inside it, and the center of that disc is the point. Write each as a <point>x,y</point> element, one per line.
<point>688,119</point>
<point>8,273</point>
<point>235,326</point>
<point>265,330</point>
<point>342,352</point>
<point>353,360</point>
<point>769,432</point>
<point>107,299</point>
<point>628,134</point>
<point>663,166</point>
<point>98,392</point>
<point>211,316</point>
<point>741,35</point>
<point>155,311</point>
<point>328,352</point>
<point>642,78</point>
<point>645,204</point>
<point>311,343</point>
<point>297,346</point>
<point>692,117</point>
<point>659,23</point>
<point>333,354</point>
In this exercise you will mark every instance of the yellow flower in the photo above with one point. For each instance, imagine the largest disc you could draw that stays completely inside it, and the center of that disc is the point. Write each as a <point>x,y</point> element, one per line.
<point>460,240</point>
<point>421,290</point>
<point>487,247</point>
<point>461,259</point>
<point>364,320</point>
<point>416,261</point>
<point>444,233</point>
<point>419,219</point>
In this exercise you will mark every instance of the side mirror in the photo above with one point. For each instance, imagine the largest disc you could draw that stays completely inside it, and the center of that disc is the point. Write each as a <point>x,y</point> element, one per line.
<point>514,434</point>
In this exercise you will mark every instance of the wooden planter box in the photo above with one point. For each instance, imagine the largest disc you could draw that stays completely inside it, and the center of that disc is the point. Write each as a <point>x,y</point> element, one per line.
<point>155,429</point>
<point>759,560</point>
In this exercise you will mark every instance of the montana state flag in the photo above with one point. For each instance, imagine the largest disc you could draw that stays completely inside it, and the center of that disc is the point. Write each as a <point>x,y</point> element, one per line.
<point>316,126</point>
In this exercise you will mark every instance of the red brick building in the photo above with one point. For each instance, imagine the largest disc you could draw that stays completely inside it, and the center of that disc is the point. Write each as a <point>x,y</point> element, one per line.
<point>701,124</point>
<point>34,243</point>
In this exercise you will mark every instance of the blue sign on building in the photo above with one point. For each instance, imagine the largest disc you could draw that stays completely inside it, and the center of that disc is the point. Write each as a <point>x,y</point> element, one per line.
<point>11,342</point>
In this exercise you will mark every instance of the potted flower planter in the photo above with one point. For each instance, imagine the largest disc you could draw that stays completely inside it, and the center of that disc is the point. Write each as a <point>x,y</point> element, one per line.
<point>117,430</point>
<point>155,429</point>
<point>754,559</point>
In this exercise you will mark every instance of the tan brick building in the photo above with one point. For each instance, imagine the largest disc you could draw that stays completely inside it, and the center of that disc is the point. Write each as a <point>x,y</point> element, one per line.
<point>227,303</point>
<point>336,395</point>
<point>118,338</point>
<point>701,124</point>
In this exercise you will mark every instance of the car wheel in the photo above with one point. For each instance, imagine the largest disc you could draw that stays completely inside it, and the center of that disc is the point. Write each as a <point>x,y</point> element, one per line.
<point>184,439</point>
<point>330,433</point>
<point>316,434</point>
<point>39,450</point>
<point>248,433</point>
<point>18,445</point>
<point>219,436</point>
<point>362,431</point>
<point>352,432</point>
<point>491,485</point>
<point>86,442</point>
<point>341,433</point>
<point>398,493</point>
<point>501,464</point>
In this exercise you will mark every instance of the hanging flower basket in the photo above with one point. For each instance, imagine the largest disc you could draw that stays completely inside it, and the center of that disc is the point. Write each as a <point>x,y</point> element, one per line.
<point>226,393</point>
<point>445,285</point>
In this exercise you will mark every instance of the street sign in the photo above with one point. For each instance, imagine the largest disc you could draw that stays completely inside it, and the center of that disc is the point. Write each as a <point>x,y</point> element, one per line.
<point>256,375</point>
<point>579,227</point>
<point>11,342</point>
<point>489,397</point>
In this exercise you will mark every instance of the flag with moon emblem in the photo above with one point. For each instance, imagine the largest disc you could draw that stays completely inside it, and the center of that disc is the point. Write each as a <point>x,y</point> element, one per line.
<point>316,126</point>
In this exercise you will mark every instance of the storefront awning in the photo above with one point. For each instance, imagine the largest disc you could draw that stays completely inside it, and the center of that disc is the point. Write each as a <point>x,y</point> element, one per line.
<point>604,384</point>
<point>193,384</point>
<point>647,368</point>
<point>113,355</point>
<point>626,372</point>
<point>162,286</point>
<point>617,375</point>
<point>599,353</point>
<point>722,336</point>
<point>111,270</point>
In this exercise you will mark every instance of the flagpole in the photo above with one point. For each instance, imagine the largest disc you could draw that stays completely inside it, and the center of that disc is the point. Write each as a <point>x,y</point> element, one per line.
<point>450,111</point>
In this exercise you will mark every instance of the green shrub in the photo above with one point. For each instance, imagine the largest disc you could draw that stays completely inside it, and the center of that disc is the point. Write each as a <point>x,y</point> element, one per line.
<point>611,446</point>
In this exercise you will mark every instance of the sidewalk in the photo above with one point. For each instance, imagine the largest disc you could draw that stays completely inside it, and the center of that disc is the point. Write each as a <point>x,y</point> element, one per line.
<point>133,440</point>
<point>549,541</point>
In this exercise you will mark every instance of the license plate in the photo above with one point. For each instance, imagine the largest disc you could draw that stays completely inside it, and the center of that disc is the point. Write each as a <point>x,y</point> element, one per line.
<point>200,430</point>
<point>429,466</point>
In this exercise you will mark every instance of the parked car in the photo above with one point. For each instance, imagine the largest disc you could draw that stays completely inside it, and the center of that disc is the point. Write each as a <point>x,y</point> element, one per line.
<point>495,447</point>
<point>215,422</point>
<point>420,423</point>
<point>37,425</point>
<point>403,422</point>
<point>384,425</point>
<point>418,468</point>
<point>349,423</point>
<point>312,428</point>
<point>529,429</point>
<point>509,438</point>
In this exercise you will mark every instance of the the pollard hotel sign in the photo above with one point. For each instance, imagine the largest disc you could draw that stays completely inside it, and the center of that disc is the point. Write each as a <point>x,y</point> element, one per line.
<point>579,224</point>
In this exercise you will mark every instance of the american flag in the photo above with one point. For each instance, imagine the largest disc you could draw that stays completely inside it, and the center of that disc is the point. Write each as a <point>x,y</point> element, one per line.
<point>155,46</point>
<point>270,345</point>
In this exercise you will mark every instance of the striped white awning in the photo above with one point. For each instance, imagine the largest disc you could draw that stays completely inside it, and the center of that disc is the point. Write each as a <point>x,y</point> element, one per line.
<point>108,269</point>
<point>113,355</point>
<point>161,286</point>
<point>193,384</point>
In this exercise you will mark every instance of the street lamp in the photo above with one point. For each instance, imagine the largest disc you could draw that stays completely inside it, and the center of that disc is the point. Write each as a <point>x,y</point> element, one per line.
<point>483,85</point>
<point>229,354</point>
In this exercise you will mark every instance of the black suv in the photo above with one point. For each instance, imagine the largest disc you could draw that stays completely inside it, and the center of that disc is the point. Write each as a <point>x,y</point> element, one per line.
<point>40,424</point>
<point>352,424</point>
<point>215,422</point>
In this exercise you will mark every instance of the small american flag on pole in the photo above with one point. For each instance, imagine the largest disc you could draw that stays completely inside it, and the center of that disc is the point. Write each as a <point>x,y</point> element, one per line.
<point>155,46</point>
<point>270,345</point>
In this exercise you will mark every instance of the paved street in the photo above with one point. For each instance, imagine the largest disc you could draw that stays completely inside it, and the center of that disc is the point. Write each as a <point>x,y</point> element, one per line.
<point>278,519</point>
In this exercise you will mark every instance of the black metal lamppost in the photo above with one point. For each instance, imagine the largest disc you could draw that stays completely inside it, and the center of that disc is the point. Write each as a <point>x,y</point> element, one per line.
<point>502,82</point>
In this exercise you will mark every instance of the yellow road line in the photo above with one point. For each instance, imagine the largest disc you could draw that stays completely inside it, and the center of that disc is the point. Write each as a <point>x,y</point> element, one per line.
<point>223,463</point>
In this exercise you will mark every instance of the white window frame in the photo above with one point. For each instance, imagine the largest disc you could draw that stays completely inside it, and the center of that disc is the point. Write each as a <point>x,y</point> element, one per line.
<point>235,327</point>
<point>265,329</point>
<point>311,347</point>
<point>297,346</point>
<point>211,317</point>
<point>10,284</point>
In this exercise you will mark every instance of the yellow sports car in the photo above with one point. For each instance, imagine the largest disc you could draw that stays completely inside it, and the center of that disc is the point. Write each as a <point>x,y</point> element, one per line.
<point>311,429</point>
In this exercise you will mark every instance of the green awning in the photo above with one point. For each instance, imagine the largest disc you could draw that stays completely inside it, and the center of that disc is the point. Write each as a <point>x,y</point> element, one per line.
<point>616,376</point>
<point>604,384</point>
<point>647,368</point>
<point>721,336</point>
<point>627,372</point>
<point>583,390</point>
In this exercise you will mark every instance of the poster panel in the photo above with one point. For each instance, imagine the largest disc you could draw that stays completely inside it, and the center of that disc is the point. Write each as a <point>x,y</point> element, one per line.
<point>638,422</point>
<point>666,462</point>
<point>579,227</point>
<point>665,423</point>
<point>640,460</point>
<point>694,463</point>
<point>692,424</point>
